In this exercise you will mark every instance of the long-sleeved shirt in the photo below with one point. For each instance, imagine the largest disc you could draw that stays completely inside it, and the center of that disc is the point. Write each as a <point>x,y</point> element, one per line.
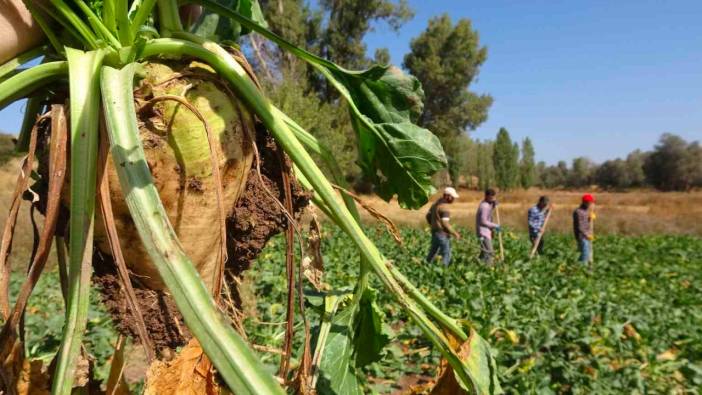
<point>483,220</point>
<point>536,219</point>
<point>582,225</point>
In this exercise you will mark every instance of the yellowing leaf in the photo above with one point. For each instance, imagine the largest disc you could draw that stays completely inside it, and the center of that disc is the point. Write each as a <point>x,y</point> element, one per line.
<point>631,333</point>
<point>33,379</point>
<point>512,336</point>
<point>527,365</point>
<point>668,355</point>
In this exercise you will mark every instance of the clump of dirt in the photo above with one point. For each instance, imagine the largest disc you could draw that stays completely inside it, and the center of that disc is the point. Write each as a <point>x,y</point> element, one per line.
<point>161,318</point>
<point>255,219</point>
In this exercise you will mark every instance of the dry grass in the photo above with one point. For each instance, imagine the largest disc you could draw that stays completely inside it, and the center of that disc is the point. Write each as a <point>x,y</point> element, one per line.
<point>629,213</point>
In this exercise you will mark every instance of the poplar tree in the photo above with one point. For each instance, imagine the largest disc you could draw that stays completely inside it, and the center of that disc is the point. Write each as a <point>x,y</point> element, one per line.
<point>527,166</point>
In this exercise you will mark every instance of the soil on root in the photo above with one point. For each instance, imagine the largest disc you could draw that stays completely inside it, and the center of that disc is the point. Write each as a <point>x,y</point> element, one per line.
<point>255,219</point>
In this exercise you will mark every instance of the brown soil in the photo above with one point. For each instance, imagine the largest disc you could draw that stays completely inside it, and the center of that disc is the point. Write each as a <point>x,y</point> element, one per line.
<point>255,219</point>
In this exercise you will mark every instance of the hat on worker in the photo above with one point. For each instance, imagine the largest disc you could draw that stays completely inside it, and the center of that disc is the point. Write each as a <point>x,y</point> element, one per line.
<point>588,198</point>
<point>451,192</point>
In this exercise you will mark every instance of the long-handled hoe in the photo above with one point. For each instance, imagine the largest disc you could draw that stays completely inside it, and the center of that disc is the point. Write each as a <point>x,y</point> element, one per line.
<point>499,235</point>
<point>541,234</point>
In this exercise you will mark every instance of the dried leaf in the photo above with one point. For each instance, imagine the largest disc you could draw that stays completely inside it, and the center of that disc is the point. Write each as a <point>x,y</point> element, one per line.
<point>82,372</point>
<point>190,373</point>
<point>389,225</point>
<point>631,333</point>
<point>313,266</point>
<point>33,379</point>
<point>24,377</point>
<point>475,353</point>
<point>313,273</point>
<point>116,384</point>
<point>668,355</point>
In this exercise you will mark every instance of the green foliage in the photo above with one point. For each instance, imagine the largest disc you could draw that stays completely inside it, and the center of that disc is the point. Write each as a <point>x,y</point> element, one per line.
<point>482,364</point>
<point>381,56</point>
<point>527,167</point>
<point>635,168</point>
<point>553,176</point>
<point>485,165</point>
<point>506,161</point>
<point>337,369</point>
<point>581,172</point>
<point>347,23</point>
<point>397,155</point>
<point>554,326</point>
<point>446,58</point>
<point>217,28</point>
<point>328,123</point>
<point>371,333</point>
<point>459,151</point>
<point>45,317</point>
<point>612,174</point>
<point>674,164</point>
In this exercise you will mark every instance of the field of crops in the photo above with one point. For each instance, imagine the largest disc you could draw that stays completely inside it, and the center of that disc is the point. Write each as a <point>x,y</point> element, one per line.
<point>631,325</point>
<point>634,324</point>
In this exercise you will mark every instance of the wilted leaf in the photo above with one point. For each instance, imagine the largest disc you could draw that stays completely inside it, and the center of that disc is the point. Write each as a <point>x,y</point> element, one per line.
<point>313,266</point>
<point>397,155</point>
<point>190,373</point>
<point>313,273</point>
<point>477,357</point>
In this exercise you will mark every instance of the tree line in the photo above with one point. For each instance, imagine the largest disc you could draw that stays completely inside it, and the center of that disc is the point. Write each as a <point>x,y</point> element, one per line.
<point>673,165</point>
<point>446,59</point>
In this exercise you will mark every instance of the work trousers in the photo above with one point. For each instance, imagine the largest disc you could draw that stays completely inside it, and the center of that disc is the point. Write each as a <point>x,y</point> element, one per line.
<point>440,244</point>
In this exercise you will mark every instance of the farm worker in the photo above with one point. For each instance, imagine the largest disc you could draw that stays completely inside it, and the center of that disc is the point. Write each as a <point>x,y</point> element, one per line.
<point>441,230</point>
<point>536,216</point>
<point>582,227</point>
<point>484,226</point>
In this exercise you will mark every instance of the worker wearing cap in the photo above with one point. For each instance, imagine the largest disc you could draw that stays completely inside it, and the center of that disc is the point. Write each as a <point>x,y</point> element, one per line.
<point>441,230</point>
<point>484,225</point>
<point>582,227</point>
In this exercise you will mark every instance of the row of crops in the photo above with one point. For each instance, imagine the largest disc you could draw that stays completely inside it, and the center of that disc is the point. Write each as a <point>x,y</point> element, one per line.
<point>633,324</point>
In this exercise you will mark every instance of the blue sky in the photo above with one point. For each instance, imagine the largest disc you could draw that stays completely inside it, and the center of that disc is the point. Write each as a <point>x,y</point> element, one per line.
<point>591,78</point>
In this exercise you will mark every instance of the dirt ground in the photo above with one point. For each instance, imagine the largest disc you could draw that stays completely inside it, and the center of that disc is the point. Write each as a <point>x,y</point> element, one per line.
<point>629,213</point>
